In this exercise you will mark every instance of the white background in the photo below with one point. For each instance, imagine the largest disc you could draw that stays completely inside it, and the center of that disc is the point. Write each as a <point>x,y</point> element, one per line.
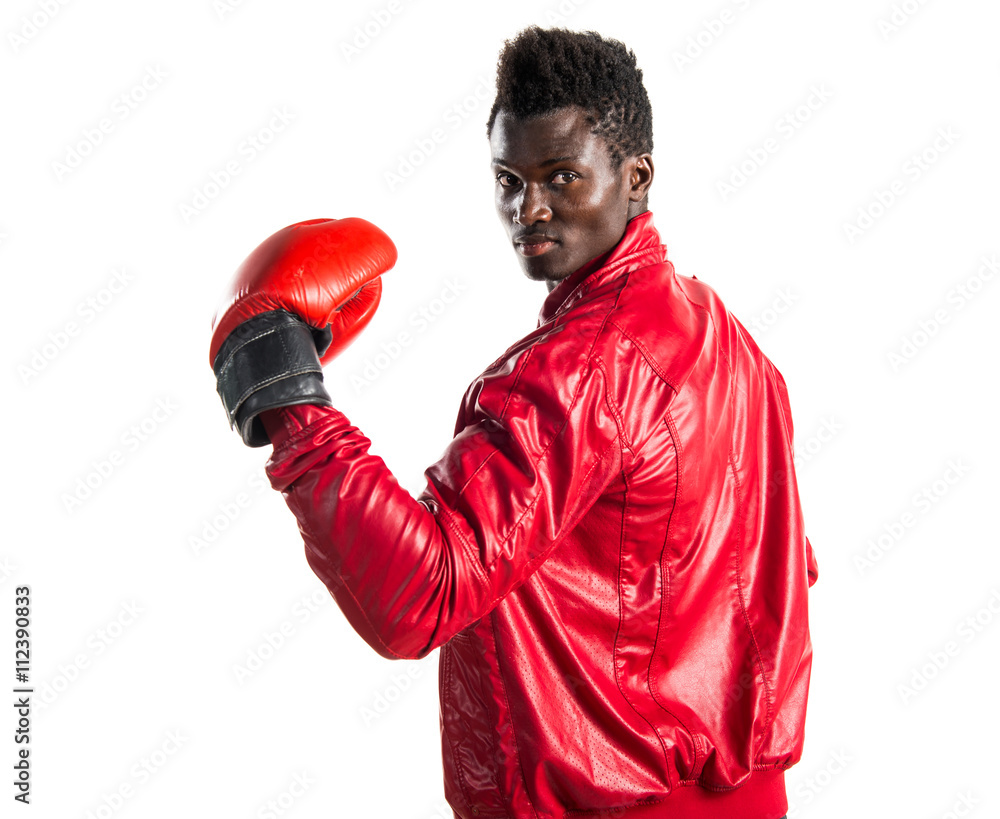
<point>153,586</point>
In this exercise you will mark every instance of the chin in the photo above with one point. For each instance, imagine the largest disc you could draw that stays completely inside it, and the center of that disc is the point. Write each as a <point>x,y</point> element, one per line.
<point>543,274</point>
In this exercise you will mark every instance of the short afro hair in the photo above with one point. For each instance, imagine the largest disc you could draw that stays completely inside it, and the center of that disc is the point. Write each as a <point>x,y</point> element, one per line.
<point>541,70</point>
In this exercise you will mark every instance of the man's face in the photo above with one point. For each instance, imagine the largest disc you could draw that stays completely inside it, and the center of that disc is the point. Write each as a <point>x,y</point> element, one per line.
<point>558,194</point>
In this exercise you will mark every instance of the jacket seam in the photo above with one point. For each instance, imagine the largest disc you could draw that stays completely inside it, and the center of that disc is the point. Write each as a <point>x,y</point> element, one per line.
<point>503,412</point>
<point>517,379</point>
<point>624,444</point>
<point>664,580</point>
<point>494,739</point>
<point>615,410</point>
<point>645,355</point>
<point>688,783</point>
<point>449,676</point>
<point>444,515</point>
<point>743,609</point>
<point>536,558</point>
<point>310,430</point>
<point>513,732</point>
<point>667,584</point>
<point>510,391</point>
<point>618,632</point>
<point>531,564</point>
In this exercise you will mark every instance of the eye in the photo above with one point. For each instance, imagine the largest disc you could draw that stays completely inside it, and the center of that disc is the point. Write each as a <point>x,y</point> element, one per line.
<point>506,180</point>
<point>564,177</point>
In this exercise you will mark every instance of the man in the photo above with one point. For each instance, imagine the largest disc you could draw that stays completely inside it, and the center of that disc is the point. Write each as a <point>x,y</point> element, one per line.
<point>610,554</point>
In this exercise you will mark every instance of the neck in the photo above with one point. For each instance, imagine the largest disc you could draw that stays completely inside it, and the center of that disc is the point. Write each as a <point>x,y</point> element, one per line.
<point>635,208</point>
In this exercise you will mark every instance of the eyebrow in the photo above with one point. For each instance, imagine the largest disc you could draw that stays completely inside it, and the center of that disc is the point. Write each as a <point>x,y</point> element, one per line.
<point>554,161</point>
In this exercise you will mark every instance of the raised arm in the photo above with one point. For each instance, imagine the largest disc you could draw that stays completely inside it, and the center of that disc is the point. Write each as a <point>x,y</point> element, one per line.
<point>533,456</point>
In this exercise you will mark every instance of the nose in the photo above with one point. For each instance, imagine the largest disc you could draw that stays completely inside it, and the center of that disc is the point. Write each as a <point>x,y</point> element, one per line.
<point>532,206</point>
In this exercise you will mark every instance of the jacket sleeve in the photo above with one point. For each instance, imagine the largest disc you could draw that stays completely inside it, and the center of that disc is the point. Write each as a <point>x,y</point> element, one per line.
<point>532,454</point>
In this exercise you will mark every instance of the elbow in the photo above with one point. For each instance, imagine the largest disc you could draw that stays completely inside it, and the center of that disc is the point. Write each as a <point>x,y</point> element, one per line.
<point>402,643</point>
<point>398,640</point>
<point>393,648</point>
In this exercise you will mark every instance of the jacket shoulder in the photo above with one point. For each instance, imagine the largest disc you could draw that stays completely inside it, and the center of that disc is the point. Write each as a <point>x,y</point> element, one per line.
<point>677,324</point>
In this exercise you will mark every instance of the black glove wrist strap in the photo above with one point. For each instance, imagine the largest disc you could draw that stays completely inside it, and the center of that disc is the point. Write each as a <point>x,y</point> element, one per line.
<point>269,361</point>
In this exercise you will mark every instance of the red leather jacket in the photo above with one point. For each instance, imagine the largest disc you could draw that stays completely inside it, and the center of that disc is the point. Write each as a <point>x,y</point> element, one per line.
<point>610,555</point>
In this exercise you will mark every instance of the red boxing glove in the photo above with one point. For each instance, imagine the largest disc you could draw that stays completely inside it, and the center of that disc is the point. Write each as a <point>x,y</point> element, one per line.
<point>296,302</point>
<point>325,271</point>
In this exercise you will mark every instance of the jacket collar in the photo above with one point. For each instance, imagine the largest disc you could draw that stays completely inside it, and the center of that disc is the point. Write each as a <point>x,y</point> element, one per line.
<point>639,246</point>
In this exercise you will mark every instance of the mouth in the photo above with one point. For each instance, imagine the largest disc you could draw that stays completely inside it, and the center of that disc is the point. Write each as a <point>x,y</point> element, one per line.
<point>534,244</point>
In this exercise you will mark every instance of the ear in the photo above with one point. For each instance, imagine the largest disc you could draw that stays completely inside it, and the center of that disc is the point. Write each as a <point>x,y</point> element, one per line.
<point>640,176</point>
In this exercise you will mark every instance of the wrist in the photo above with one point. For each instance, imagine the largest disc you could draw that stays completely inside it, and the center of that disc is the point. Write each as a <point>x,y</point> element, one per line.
<point>283,423</point>
<point>267,362</point>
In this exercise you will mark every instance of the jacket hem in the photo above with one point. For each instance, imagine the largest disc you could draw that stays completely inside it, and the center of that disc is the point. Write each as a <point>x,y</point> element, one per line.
<point>762,797</point>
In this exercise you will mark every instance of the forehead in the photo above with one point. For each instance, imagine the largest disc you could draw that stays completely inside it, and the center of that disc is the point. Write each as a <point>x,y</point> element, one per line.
<point>562,133</point>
